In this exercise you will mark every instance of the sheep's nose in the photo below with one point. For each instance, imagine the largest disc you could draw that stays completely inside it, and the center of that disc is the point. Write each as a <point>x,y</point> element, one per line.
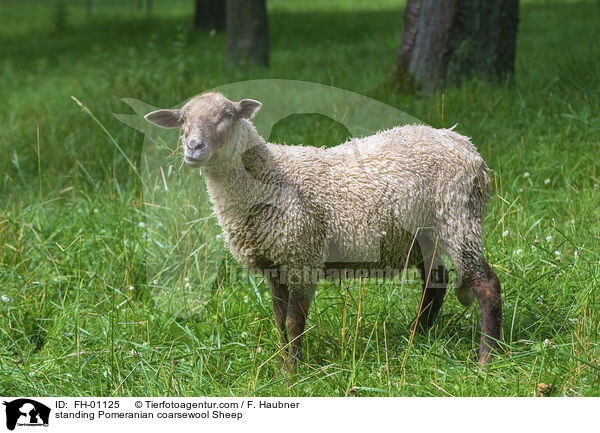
<point>194,144</point>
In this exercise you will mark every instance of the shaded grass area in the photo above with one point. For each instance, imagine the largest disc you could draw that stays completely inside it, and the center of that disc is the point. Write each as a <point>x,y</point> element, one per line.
<point>77,312</point>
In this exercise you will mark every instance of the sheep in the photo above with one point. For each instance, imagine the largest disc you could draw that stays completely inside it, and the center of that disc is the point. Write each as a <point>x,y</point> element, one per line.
<point>402,197</point>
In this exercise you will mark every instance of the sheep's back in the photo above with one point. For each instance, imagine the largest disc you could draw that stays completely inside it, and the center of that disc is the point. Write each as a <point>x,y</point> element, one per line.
<point>374,193</point>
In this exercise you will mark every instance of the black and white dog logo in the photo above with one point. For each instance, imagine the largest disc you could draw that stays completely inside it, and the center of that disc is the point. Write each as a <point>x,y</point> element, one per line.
<point>26,412</point>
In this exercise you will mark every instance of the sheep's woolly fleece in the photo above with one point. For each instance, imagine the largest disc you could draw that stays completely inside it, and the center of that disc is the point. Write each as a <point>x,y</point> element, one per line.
<point>365,200</point>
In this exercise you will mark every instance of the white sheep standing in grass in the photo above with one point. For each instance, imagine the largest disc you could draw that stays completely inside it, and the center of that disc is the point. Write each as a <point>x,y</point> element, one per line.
<point>404,196</point>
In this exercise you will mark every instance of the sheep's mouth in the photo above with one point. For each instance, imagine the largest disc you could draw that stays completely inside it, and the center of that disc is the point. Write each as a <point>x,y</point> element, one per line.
<point>194,162</point>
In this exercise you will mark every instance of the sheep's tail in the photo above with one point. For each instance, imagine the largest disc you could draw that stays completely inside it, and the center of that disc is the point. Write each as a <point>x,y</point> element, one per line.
<point>480,193</point>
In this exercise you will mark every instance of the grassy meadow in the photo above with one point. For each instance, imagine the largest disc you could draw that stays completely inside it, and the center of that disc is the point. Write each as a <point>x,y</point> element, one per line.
<point>78,248</point>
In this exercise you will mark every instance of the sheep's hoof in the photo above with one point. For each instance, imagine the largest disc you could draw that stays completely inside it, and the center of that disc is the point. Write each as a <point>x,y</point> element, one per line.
<point>422,328</point>
<point>486,354</point>
<point>293,362</point>
<point>424,325</point>
<point>286,363</point>
<point>286,369</point>
<point>484,359</point>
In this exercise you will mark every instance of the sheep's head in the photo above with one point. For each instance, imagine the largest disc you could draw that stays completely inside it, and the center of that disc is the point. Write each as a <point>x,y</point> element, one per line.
<point>208,121</point>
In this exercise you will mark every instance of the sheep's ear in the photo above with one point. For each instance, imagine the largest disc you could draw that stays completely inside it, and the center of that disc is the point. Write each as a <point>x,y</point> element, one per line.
<point>165,118</point>
<point>247,108</point>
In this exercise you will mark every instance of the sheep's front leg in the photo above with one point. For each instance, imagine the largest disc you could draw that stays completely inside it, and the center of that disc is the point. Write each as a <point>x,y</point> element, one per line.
<point>280,296</point>
<point>297,312</point>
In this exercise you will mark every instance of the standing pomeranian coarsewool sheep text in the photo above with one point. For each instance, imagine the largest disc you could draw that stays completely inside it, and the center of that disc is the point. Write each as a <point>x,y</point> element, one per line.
<point>405,196</point>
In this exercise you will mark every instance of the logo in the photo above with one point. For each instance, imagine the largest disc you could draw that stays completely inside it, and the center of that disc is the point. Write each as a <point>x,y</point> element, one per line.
<point>26,412</point>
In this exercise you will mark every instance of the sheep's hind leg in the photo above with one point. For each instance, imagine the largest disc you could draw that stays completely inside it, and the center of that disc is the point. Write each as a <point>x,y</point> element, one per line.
<point>280,296</point>
<point>434,289</point>
<point>486,287</point>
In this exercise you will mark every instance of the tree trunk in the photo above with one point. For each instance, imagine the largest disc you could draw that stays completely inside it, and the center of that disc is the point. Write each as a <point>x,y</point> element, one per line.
<point>448,41</point>
<point>210,14</point>
<point>247,33</point>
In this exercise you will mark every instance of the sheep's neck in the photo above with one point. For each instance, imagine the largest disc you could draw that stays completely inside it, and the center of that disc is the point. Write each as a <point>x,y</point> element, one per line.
<point>233,186</point>
<point>235,191</point>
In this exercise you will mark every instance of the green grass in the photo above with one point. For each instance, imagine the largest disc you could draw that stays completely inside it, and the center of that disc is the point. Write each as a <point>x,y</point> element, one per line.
<point>78,316</point>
